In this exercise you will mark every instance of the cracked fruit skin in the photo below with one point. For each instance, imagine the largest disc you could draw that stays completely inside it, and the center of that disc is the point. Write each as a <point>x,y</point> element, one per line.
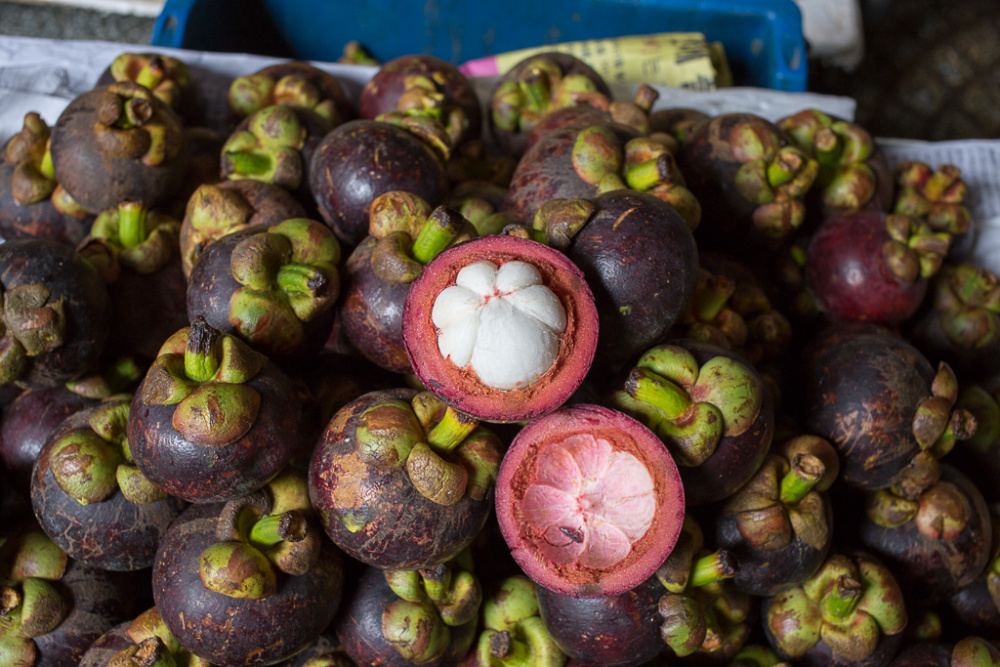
<point>552,501</point>
<point>461,388</point>
<point>374,513</point>
<point>231,631</point>
<point>115,533</point>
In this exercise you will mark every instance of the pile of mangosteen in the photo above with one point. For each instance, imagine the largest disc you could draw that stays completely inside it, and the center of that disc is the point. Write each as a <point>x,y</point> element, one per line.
<point>544,379</point>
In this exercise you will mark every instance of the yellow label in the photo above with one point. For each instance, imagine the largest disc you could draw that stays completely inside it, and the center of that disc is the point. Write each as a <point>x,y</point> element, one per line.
<point>678,59</point>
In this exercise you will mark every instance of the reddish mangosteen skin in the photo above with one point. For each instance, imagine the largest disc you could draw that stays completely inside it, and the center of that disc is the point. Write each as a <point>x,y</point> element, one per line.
<point>546,171</point>
<point>861,393</point>
<point>147,308</point>
<point>362,159</point>
<point>88,310</point>
<point>514,143</point>
<point>99,600</point>
<point>736,458</point>
<point>641,262</point>
<point>766,573</point>
<point>27,424</point>
<point>271,205</point>
<point>98,182</point>
<point>37,220</point>
<point>114,534</point>
<point>517,474</point>
<point>382,92</point>
<point>201,474</point>
<point>211,286</point>
<point>359,626</point>
<point>847,276</point>
<point>937,568</point>
<point>371,311</point>
<point>404,530</point>
<point>709,167</point>
<point>461,389</point>
<point>231,631</point>
<point>615,631</point>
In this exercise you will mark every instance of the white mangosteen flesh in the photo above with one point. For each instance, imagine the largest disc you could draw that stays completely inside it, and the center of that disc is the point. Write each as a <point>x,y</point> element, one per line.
<point>590,502</point>
<point>502,323</point>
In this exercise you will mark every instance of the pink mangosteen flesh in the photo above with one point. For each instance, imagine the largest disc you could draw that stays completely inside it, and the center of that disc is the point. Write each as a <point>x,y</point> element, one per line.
<point>589,501</point>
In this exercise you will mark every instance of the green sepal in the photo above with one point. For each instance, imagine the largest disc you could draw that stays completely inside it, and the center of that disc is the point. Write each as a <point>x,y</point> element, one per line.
<point>386,433</point>
<point>237,570</point>
<point>83,466</point>
<point>217,414</point>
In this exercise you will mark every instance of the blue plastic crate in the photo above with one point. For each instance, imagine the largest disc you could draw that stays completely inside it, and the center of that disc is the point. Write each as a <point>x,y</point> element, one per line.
<point>763,38</point>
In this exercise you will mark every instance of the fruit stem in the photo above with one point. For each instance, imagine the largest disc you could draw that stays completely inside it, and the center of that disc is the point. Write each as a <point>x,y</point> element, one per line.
<point>249,163</point>
<point>45,167</point>
<point>806,471</point>
<point>661,393</point>
<point>828,146</point>
<point>843,597</point>
<point>276,528</point>
<point>713,567</point>
<point>508,651</point>
<point>200,360</point>
<point>713,297</point>
<point>645,175</point>
<point>132,217</point>
<point>152,652</point>
<point>302,278</point>
<point>437,233</point>
<point>534,85</point>
<point>451,430</point>
<point>151,74</point>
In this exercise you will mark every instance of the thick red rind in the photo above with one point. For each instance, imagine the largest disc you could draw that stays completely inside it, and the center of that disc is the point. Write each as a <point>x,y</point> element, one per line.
<point>461,389</point>
<point>624,433</point>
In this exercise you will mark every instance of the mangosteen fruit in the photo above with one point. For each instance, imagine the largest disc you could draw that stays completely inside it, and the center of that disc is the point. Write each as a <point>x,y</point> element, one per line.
<point>400,481</point>
<point>251,581</point>
<point>56,313</point>
<point>501,328</point>
<point>851,612</point>
<point>144,639</point>
<point>405,234</point>
<point>513,630</point>
<point>872,267</point>
<point>412,617</point>
<point>750,179</point>
<point>118,142</point>
<point>214,210</point>
<point>936,196</point>
<point>213,420</point>
<point>589,501</point>
<point>168,78</point>
<point>362,159</point>
<point>293,83</point>
<point>969,652</point>
<point>32,203</point>
<point>709,407</point>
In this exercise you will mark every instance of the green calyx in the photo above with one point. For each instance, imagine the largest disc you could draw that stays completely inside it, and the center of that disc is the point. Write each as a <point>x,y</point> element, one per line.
<point>937,424</point>
<point>204,372</point>
<point>289,276</point>
<point>985,409</point>
<point>150,652</point>
<point>32,179</point>
<point>400,255</point>
<point>386,433</point>
<point>415,630</point>
<point>237,570</point>
<point>268,150</point>
<point>167,77</point>
<point>515,634</point>
<point>109,421</point>
<point>114,379</point>
<point>561,219</point>
<point>943,512</point>
<point>129,126</point>
<point>84,466</point>
<point>33,324</point>
<point>915,251</point>
<point>397,211</point>
<point>935,196</point>
<point>434,133</point>
<point>975,652</point>
<point>968,300</point>
<point>30,608</point>
<point>32,554</point>
<point>596,153</point>
<point>141,240</point>
<point>451,589</point>
<point>250,93</point>
<point>684,626</point>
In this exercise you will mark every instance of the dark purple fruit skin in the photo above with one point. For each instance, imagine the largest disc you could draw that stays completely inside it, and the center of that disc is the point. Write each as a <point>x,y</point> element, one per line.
<point>615,631</point>
<point>641,262</point>
<point>923,655</point>
<point>971,364</point>
<point>107,645</point>
<point>88,310</point>
<point>404,530</point>
<point>975,607</point>
<point>147,308</point>
<point>362,159</point>
<point>37,220</point>
<point>710,173</point>
<point>231,631</point>
<point>848,277</point>
<point>737,457</point>
<point>202,474</point>
<point>27,424</point>
<point>359,627</point>
<point>861,393</point>
<point>580,116</point>
<point>766,573</point>
<point>514,143</point>
<point>113,534</point>
<point>211,286</point>
<point>937,568</point>
<point>371,311</point>
<point>381,93</point>
<point>99,600</point>
<point>546,172</point>
<point>98,181</point>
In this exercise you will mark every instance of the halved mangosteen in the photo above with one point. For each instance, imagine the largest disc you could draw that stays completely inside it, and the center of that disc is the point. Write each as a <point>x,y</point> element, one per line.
<point>589,501</point>
<point>501,328</point>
